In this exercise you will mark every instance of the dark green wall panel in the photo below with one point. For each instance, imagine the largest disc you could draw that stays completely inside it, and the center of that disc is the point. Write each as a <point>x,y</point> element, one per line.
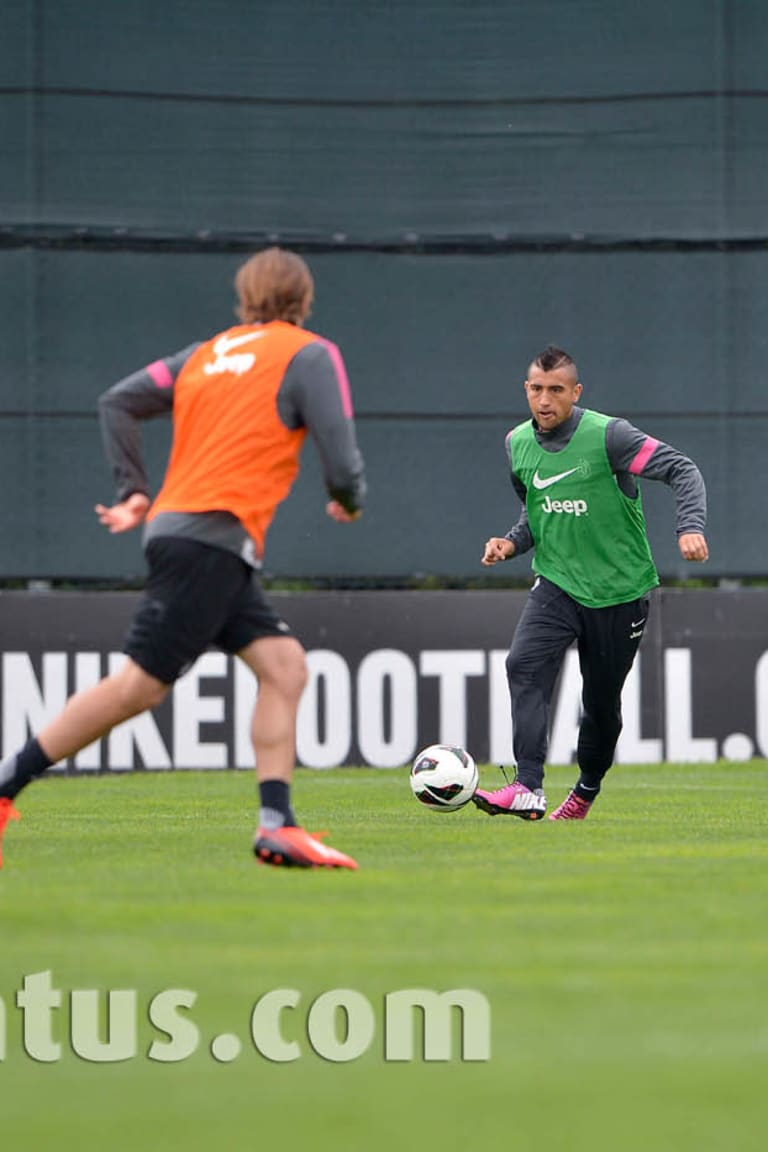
<point>436,349</point>
<point>578,122</point>
<point>17,317</point>
<point>18,46</point>
<point>521,118</point>
<point>651,332</point>
<point>439,488</point>
<point>633,169</point>
<point>356,49</point>
<point>19,158</point>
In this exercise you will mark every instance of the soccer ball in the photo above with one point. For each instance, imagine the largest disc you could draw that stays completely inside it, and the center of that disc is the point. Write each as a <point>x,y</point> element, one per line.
<point>444,777</point>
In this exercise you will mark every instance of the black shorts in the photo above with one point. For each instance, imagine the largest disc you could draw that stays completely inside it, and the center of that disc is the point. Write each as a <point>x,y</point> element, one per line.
<point>196,597</point>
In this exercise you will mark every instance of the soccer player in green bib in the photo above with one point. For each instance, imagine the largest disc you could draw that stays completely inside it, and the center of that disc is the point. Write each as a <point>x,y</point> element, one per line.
<point>576,474</point>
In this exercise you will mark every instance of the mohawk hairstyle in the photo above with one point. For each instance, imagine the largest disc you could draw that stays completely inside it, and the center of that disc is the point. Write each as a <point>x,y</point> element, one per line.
<point>553,357</point>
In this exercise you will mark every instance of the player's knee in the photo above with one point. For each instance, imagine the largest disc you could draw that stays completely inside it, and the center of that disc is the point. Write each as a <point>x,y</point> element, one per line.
<point>301,675</point>
<point>288,672</point>
<point>520,669</point>
<point>138,691</point>
<point>298,677</point>
<point>154,694</point>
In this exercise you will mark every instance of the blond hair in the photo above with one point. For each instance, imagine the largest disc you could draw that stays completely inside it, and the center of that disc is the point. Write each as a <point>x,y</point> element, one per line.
<point>274,285</point>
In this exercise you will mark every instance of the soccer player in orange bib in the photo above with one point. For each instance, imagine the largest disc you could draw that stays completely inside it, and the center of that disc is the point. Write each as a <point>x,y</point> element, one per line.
<point>242,404</point>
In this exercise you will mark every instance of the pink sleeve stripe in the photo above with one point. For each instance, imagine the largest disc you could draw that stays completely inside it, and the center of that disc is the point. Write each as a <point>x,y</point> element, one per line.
<point>341,377</point>
<point>160,373</point>
<point>649,447</point>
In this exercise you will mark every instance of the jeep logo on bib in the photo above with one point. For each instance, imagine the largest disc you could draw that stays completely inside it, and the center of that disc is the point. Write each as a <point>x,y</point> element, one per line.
<point>569,507</point>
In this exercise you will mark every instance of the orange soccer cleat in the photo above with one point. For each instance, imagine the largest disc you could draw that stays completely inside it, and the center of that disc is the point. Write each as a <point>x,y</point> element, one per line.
<point>292,847</point>
<point>7,812</point>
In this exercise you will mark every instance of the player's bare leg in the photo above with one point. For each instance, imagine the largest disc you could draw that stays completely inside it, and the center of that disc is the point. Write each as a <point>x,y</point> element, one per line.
<point>86,717</point>
<point>279,664</point>
<point>92,713</point>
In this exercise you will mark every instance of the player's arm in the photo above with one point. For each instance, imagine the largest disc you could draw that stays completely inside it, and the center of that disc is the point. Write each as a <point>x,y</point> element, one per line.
<point>520,533</point>
<point>315,395</point>
<point>141,396</point>
<point>519,538</point>
<point>633,453</point>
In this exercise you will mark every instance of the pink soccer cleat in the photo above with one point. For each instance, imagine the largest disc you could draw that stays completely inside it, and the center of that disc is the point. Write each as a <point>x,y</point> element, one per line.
<point>572,808</point>
<point>512,800</point>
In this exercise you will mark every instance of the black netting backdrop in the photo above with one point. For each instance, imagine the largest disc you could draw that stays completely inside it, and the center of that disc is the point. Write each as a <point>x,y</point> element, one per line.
<point>469,180</point>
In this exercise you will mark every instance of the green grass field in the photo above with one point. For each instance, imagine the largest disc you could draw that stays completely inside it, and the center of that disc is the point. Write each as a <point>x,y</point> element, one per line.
<point>625,960</point>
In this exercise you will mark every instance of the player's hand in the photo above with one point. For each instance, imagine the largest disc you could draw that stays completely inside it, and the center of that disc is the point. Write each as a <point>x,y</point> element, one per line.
<point>339,513</point>
<point>496,549</point>
<point>126,515</point>
<point>693,546</point>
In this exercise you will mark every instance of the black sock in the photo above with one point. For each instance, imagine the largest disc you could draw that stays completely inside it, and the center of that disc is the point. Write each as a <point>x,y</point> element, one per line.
<point>275,799</point>
<point>17,771</point>
<point>587,791</point>
<point>529,777</point>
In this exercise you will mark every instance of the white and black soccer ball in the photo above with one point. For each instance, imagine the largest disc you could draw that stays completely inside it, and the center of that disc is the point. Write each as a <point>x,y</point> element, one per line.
<point>444,777</point>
